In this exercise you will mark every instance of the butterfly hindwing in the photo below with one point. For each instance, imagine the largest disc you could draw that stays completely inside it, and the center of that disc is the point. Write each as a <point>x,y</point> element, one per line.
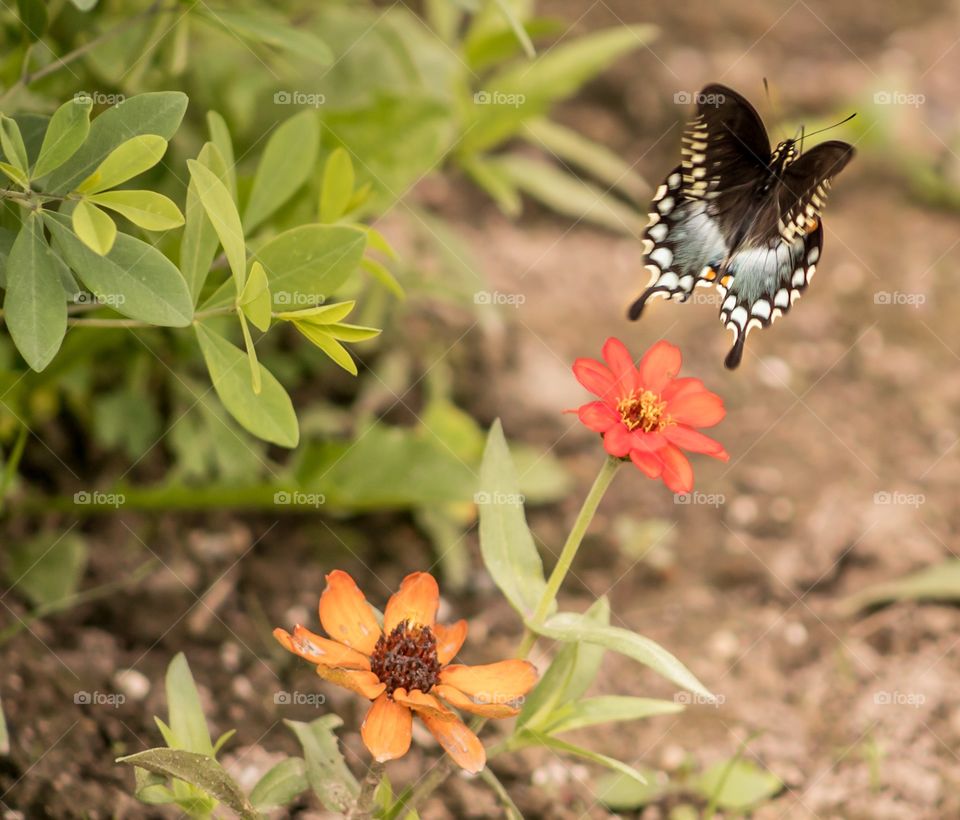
<point>802,193</point>
<point>683,245</point>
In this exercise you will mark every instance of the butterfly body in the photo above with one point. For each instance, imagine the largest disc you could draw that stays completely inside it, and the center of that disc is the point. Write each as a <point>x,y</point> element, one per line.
<point>739,216</point>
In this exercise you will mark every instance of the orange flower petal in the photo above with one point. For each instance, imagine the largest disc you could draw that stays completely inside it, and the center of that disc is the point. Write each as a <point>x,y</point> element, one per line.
<point>361,682</point>
<point>648,463</point>
<point>697,408</point>
<point>387,729</point>
<point>501,682</point>
<point>597,416</point>
<point>457,740</point>
<point>617,441</point>
<point>621,365</point>
<point>597,378</point>
<point>659,365</point>
<point>318,649</point>
<point>459,700</point>
<point>449,640</point>
<point>416,601</point>
<point>345,614</point>
<point>677,472</point>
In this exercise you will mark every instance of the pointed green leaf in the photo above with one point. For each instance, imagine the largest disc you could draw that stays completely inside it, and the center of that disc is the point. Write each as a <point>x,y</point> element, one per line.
<point>15,174</point>
<point>124,162</point>
<point>940,582</point>
<point>322,339</point>
<point>287,162</point>
<point>34,307</point>
<point>96,230</point>
<point>12,143</point>
<point>255,298</point>
<point>199,243</point>
<point>260,26</point>
<point>223,740</point>
<point>135,279</point>
<point>150,210</point>
<point>607,709</point>
<point>255,381</point>
<point>327,771</point>
<point>569,626</point>
<point>66,132</point>
<point>506,543</point>
<point>47,568</point>
<point>220,137</point>
<point>321,314</point>
<point>738,785</point>
<point>199,770</point>
<point>623,793</point>
<point>351,333</point>
<point>338,180</point>
<point>187,722</point>
<point>378,242</point>
<point>222,213</point>
<point>528,738</point>
<point>279,786</point>
<point>157,113</point>
<point>383,275</point>
<point>269,416</point>
<point>33,18</point>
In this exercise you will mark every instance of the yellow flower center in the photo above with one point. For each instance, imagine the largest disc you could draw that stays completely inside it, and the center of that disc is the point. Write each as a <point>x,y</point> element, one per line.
<point>643,410</point>
<point>407,658</point>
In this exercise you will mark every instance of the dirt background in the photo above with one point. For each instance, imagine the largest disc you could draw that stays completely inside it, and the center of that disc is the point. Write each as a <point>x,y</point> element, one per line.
<point>846,398</point>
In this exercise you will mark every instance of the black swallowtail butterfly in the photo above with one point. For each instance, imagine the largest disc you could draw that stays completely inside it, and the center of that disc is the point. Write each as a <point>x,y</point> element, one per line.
<point>735,215</point>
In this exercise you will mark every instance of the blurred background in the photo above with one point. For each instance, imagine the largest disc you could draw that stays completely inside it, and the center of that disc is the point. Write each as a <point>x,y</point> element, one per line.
<point>809,583</point>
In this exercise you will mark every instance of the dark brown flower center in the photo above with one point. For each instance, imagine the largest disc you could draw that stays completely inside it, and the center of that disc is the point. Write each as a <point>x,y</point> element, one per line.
<point>407,658</point>
<point>643,410</point>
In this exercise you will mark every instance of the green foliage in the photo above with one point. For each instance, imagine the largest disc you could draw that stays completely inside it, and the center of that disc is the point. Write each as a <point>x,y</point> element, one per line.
<point>327,772</point>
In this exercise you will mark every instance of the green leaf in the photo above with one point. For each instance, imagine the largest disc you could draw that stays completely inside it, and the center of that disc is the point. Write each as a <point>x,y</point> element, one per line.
<point>338,181</point>
<point>738,785</point>
<point>378,242</point>
<point>15,174</point>
<point>84,5</point>
<point>527,738</point>
<point>124,162</point>
<point>506,543</point>
<point>134,278</point>
<point>188,725</point>
<point>157,113</point>
<point>4,733</point>
<point>33,18</point>
<point>261,27</point>
<point>47,568</point>
<point>598,160</point>
<point>12,143</point>
<point>199,770</point>
<point>199,243</point>
<point>607,709</point>
<point>622,793</point>
<point>66,132</point>
<point>569,626</point>
<point>351,333</point>
<point>96,230</point>
<point>151,788</point>
<point>496,182</point>
<point>382,274</point>
<point>567,194</point>
<point>222,213</point>
<point>256,382</point>
<point>279,786</point>
<point>255,298</point>
<point>516,25</point>
<point>287,162</point>
<point>269,416</point>
<point>35,309</point>
<point>319,336</point>
<point>327,771</point>
<point>148,209</point>
<point>220,137</point>
<point>321,314</point>
<point>937,583</point>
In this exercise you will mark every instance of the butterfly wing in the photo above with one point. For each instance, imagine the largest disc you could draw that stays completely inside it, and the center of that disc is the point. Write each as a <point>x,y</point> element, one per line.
<point>770,270</point>
<point>692,220</point>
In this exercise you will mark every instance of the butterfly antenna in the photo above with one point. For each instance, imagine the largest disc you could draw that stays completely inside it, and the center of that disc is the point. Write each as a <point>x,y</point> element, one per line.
<point>770,105</point>
<point>835,125</point>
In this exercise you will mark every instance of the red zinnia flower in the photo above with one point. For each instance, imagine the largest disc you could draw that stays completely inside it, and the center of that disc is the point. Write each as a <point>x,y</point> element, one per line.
<point>405,668</point>
<point>648,415</point>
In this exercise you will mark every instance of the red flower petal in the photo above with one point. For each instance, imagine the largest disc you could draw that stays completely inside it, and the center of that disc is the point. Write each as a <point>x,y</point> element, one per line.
<point>689,439</point>
<point>677,472</point>
<point>597,416</point>
<point>659,365</point>
<point>617,441</point>
<point>698,409</point>
<point>596,377</point>
<point>621,365</point>
<point>648,463</point>
<point>680,387</point>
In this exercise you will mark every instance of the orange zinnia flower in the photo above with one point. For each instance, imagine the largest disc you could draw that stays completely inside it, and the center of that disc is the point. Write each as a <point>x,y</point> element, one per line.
<point>648,415</point>
<point>405,668</point>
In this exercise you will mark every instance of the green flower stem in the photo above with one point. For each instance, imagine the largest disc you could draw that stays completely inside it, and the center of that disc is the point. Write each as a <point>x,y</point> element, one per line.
<point>569,552</point>
<point>601,484</point>
<point>363,810</point>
